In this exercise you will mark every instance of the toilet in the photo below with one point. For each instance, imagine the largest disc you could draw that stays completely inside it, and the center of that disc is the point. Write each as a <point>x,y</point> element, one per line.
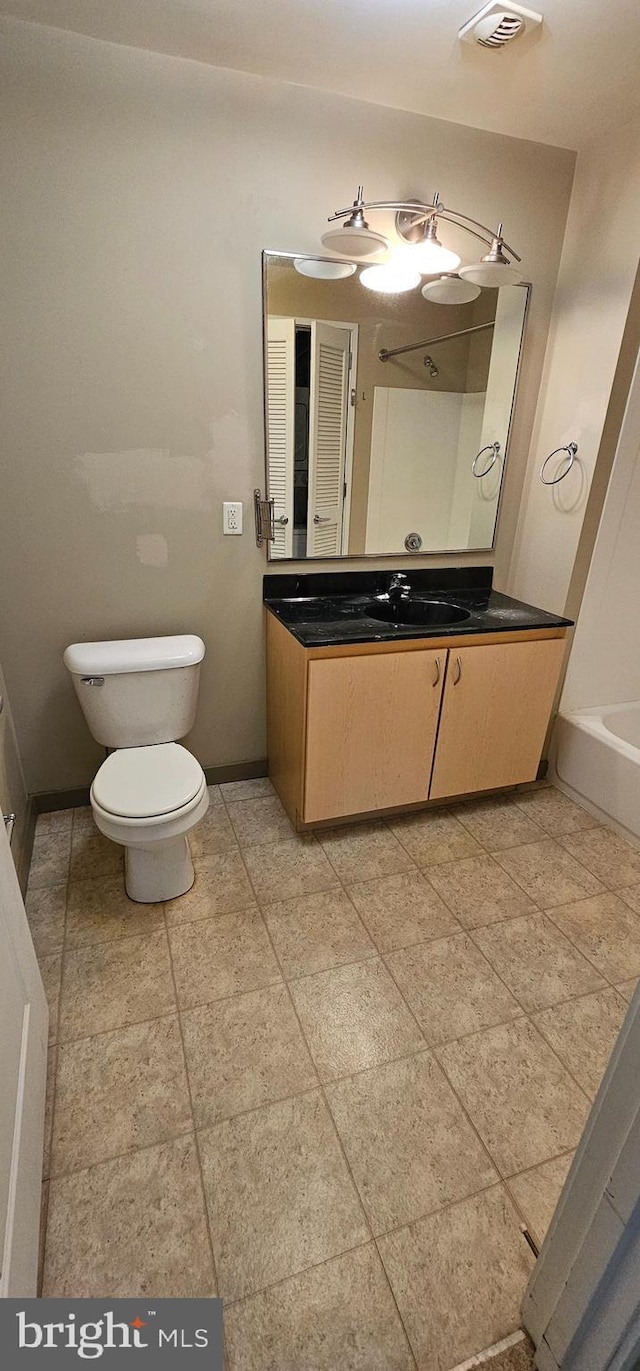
<point>138,696</point>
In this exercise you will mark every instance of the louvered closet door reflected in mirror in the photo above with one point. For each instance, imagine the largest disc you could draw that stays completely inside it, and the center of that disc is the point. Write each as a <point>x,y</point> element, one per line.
<point>327,437</point>
<point>281,429</point>
<point>310,430</point>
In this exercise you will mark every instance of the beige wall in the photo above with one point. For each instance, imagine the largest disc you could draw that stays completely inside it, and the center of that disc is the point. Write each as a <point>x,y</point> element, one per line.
<point>138,193</point>
<point>595,285</point>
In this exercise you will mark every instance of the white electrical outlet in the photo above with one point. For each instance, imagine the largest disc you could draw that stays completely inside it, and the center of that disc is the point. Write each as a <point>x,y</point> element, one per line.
<point>232,516</point>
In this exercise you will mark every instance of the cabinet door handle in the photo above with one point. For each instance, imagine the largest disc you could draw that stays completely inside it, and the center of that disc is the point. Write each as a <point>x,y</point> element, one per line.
<point>318,519</point>
<point>436,674</point>
<point>457,671</point>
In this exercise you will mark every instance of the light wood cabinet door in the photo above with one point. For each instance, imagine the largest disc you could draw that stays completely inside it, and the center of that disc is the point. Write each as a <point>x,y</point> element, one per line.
<point>496,707</point>
<point>371,728</point>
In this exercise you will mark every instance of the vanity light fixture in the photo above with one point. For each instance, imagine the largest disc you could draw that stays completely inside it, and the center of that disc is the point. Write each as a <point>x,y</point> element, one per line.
<point>494,269</point>
<point>450,290</point>
<point>321,269</point>
<point>416,225</point>
<point>391,278</point>
<point>430,256</point>
<point>354,238</point>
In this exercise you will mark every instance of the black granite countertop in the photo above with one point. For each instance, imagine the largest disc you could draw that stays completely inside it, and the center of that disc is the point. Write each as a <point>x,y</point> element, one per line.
<point>328,609</point>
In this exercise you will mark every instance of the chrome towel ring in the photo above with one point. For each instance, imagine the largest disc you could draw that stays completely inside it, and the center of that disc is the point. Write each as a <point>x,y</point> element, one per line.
<point>490,447</point>
<point>571,449</point>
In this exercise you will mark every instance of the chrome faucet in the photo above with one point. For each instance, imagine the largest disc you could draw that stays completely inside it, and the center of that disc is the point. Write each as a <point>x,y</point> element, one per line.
<point>399,585</point>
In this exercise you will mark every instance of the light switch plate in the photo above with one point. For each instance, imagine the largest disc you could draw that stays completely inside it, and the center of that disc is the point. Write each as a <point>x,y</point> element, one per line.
<point>232,516</point>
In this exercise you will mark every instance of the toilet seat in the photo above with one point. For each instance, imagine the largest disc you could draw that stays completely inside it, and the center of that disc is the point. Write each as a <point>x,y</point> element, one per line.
<point>145,783</point>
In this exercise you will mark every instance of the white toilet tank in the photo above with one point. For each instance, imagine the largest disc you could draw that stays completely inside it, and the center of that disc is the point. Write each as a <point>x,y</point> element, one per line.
<point>137,691</point>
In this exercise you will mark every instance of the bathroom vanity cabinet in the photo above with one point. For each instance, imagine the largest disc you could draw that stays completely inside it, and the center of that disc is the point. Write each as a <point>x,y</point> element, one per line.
<point>358,728</point>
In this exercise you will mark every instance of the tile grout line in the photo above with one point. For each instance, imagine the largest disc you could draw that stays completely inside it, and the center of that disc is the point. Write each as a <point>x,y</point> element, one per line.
<point>524,1017</point>
<point>543,909</point>
<point>122,1156</point>
<point>508,846</point>
<point>484,1146</point>
<point>495,1184</point>
<point>203,1191</point>
<point>610,982</point>
<point>428,1047</point>
<point>315,1266</point>
<point>343,890</point>
<point>408,1057</point>
<point>502,1179</point>
<point>333,1123</point>
<point>584,995</point>
<point>118,1028</point>
<point>315,1067</point>
<point>500,1184</point>
<point>199,1128</point>
<point>56,1046</point>
<point>529,1013</point>
<point>526,1171</point>
<point>492,1159</point>
<point>496,857</point>
<point>505,1178</point>
<point>556,1052</point>
<point>557,1004</point>
<point>440,813</point>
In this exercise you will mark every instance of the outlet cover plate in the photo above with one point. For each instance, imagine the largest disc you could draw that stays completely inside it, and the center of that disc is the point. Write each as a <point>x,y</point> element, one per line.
<point>232,516</point>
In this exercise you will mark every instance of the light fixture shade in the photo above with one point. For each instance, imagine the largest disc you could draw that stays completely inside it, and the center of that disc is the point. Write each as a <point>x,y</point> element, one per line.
<point>493,274</point>
<point>321,270</point>
<point>450,290</point>
<point>431,257</point>
<point>390,278</point>
<point>357,243</point>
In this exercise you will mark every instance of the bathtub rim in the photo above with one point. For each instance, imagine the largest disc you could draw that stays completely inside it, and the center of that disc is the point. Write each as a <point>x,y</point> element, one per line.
<point>590,722</point>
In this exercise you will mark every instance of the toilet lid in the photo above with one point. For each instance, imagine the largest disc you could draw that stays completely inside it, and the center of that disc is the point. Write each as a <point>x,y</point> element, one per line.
<point>139,782</point>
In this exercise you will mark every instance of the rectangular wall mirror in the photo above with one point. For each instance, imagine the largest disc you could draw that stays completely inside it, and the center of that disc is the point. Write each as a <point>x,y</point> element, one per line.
<point>369,456</point>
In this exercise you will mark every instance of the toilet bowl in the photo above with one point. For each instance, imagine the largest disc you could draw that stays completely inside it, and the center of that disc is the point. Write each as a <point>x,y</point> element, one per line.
<point>139,696</point>
<point>148,799</point>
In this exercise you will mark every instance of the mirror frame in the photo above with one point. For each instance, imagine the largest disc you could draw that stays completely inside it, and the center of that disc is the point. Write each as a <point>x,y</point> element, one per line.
<point>376,556</point>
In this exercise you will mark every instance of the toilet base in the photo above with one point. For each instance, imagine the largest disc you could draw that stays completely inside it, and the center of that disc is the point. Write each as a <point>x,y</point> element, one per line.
<point>161,871</point>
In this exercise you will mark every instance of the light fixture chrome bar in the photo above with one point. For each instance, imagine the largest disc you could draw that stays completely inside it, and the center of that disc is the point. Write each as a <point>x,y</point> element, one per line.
<point>453,216</point>
<point>410,206</point>
<point>385,353</point>
<point>421,213</point>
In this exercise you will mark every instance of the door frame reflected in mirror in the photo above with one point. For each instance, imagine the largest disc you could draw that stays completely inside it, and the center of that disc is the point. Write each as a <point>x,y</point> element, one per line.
<point>269,255</point>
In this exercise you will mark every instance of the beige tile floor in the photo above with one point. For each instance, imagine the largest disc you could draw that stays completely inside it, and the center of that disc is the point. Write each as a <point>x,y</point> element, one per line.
<point>331,1081</point>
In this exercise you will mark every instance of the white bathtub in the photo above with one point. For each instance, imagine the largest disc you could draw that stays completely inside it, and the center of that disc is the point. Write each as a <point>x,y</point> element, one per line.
<point>597,757</point>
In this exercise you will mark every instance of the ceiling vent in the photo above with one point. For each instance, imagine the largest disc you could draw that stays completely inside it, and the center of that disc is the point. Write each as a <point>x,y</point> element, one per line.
<point>496,25</point>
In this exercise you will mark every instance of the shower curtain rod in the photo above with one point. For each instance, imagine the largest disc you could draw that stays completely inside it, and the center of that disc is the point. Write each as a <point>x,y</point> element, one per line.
<point>385,353</point>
